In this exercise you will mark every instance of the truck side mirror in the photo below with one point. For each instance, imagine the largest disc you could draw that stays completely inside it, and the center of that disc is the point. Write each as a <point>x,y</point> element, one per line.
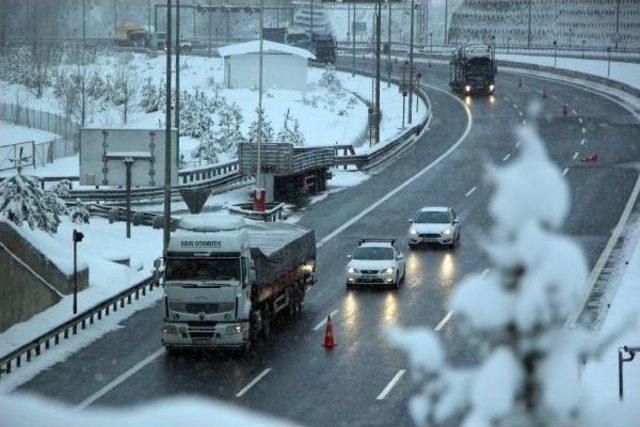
<point>349,257</point>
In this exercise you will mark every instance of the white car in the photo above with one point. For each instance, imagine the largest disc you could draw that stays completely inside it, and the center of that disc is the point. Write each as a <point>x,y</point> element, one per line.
<point>376,262</point>
<point>434,225</point>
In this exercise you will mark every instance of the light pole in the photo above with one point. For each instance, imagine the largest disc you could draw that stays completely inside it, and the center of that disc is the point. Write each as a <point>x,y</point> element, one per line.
<point>259,193</point>
<point>77,238</point>
<point>378,40</point>
<point>508,44</point>
<point>353,43</point>
<point>583,42</point>
<point>177,103</point>
<point>570,36</point>
<point>166,223</point>
<point>555,53</point>
<point>410,115</point>
<point>608,61</point>
<point>431,42</point>
<point>418,77</point>
<point>446,15</point>
<point>529,27</point>
<point>389,48</point>
<point>115,16</point>
<point>617,22</point>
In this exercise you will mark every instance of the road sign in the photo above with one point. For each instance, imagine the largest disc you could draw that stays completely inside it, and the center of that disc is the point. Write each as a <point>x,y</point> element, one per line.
<point>359,27</point>
<point>102,151</point>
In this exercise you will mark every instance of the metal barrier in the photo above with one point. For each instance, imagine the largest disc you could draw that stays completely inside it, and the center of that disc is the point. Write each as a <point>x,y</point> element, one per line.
<point>15,358</point>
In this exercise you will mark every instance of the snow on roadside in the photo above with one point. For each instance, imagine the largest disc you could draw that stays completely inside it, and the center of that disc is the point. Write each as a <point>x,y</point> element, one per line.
<point>28,410</point>
<point>12,134</point>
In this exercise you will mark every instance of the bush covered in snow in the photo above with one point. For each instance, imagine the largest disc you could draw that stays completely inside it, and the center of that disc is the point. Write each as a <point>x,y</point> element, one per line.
<point>195,114</point>
<point>79,213</point>
<point>514,316</point>
<point>22,200</point>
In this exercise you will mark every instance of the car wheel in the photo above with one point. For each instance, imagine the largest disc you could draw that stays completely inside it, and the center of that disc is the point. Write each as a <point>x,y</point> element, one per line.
<point>412,245</point>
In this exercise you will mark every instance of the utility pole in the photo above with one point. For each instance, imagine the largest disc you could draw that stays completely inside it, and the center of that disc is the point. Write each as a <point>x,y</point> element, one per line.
<point>177,84</point>
<point>446,15</point>
<point>378,37</point>
<point>84,35</point>
<point>410,116</point>
<point>529,27</point>
<point>193,4</point>
<point>209,34</point>
<point>616,38</point>
<point>389,48</point>
<point>115,17</point>
<point>166,223</point>
<point>148,17</point>
<point>353,43</point>
<point>311,21</point>
<point>260,65</point>
<point>77,238</point>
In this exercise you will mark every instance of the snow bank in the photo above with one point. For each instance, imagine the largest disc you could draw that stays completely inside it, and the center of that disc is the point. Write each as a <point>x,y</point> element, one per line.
<point>27,411</point>
<point>12,134</point>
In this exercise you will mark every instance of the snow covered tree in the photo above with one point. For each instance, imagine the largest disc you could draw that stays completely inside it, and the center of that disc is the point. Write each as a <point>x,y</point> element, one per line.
<point>79,213</point>
<point>290,131</point>
<point>195,115</point>
<point>96,87</point>
<point>62,188</point>
<point>208,149</point>
<point>513,317</point>
<point>149,100</point>
<point>228,133</point>
<point>22,200</point>
<point>123,89</point>
<point>267,130</point>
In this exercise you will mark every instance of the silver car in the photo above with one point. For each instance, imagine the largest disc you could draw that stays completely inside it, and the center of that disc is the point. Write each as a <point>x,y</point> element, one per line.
<point>434,225</point>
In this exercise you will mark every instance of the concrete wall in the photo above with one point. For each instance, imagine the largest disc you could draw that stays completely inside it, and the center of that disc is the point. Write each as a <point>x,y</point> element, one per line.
<point>22,295</point>
<point>280,71</point>
<point>39,263</point>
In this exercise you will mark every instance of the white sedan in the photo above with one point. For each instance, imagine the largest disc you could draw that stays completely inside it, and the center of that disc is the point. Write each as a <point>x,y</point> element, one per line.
<point>376,262</point>
<point>434,225</point>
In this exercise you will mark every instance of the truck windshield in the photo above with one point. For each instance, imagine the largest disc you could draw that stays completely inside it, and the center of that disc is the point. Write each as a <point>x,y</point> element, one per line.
<point>479,69</point>
<point>210,269</point>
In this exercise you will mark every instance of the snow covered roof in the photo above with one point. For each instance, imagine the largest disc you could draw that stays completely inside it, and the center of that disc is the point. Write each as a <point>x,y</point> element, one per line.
<point>268,47</point>
<point>434,209</point>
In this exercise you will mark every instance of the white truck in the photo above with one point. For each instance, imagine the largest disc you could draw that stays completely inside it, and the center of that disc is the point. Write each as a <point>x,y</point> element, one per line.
<point>226,280</point>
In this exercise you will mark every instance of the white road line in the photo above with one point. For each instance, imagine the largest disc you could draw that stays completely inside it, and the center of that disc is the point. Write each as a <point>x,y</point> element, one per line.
<point>113,384</point>
<point>580,120</point>
<point>524,122</point>
<point>324,321</point>
<point>515,106</point>
<point>565,171</point>
<point>443,322</point>
<point>584,130</point>
<point>402,186</point>
<point>484,273</point>
<point>574,112</point>
<point>575,155</point>
<point>521,113</point>
<point>554,97</point>
<point>254,382</point>
<point>391,384</point>
<point>470,192</point>
<point>505,158</point>
<point>583,141</point>
<point>517,144</point>
<point>506,98</point>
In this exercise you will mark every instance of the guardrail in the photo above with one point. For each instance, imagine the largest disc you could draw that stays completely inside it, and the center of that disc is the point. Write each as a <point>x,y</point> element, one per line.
<point>14,359</point>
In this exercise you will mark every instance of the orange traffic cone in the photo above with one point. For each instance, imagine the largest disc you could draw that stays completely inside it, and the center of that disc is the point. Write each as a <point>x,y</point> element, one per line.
<point>565,109</point>
<point>544,93</point>
<point>590,158</point>
<point>328,335</point>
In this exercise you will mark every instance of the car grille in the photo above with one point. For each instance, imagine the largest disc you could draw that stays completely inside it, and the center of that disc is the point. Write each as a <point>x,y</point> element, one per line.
<point>369,271</point>
<point>368,281</point>
<point>430,235</point>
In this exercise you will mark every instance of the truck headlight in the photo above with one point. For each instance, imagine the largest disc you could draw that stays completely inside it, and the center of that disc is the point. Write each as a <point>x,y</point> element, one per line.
<point>170,330</point>
<point>467,88</point>
<point>491,88</point>
<point>413,231</point>
<point>351,270</point>
<point>233,329</point>
<point>389,270</point>
<point>446,231</point>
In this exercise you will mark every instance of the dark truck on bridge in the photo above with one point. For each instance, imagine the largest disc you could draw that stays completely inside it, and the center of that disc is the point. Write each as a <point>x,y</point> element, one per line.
<point>472,70</point>
<point>226,279</point>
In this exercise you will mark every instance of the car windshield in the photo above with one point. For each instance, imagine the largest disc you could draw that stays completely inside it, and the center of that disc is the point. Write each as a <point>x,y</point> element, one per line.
<point>432,217</point>
<point>209,269</point>
<point>373,253</point>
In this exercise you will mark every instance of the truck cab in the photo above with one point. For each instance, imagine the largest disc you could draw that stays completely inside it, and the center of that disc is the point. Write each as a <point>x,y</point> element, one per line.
<point>472,70</point>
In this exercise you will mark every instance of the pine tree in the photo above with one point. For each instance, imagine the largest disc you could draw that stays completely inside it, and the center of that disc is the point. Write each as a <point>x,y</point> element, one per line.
<point>290,131</point>
<point>513,317</point>
<point>22,200</point>
<point>79,213</point>
<point>228,133</point>
<point>149,101</point>
<point>267,130</point>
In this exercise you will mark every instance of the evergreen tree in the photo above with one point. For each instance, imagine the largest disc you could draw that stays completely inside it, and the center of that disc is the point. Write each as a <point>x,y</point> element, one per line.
<point>22,200</point>
<point>149,100</point>
<point>228,134</point>
<point>290,131</point>
<point>79,213</point>
<point>267,130</point>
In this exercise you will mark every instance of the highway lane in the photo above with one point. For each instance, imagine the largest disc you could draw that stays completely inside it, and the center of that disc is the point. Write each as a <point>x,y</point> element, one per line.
<point>306,383</point>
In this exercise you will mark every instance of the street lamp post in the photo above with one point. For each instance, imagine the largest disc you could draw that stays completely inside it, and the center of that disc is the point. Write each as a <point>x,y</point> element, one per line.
<point>410,116</point>
<point>418,77</point>
<point>555,53</point>
<point>617,22</point>
<point>166,223</point>
<point>77,238</point>
<point>529,27</point>
<point>608,61</point>
<point>583,42</point>
<point>508,44</point>
<point>446,15</point>
<point>570,36</point>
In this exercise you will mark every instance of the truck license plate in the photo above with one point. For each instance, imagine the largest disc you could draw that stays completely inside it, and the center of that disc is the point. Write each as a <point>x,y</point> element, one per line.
<point>200,340</point>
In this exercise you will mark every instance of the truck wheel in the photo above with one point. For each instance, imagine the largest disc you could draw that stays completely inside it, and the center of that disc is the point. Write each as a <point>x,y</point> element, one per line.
<point>171,351</point>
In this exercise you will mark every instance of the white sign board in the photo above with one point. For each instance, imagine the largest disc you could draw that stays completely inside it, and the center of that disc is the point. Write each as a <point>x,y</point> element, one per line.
<point>102,152</point>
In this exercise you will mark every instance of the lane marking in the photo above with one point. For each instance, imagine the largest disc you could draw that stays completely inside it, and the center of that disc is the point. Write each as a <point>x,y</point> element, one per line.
<point>113,384</point>
<point>470,192</point>
<point>524,122</point>
<point>565,171</point>
<point>574,112</point>
<point>584,130</point>
<point>517,144</point>
<point>506,98</point>
<point>505,158</point>
<point>515,106</point>
<point>444,321</point>
<point>575,155</point>
<point>580,120</point>
<point>402,186</point>
<point>554,97</point>
<point>391,384</point>
<point>324,321</point>
<point>582,141</point>
<point>484,273</point>
<point>520,113</point>
<point>254,382</point>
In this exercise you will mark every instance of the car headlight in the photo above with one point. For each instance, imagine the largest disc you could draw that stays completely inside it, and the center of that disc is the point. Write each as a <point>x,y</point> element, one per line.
<point>351,270</point>
<point>233,329</point>
<point>413,231</point>
<point>389,270</point>
<point>446,231</point>
<point>170,330</point>
<point>467,88</point>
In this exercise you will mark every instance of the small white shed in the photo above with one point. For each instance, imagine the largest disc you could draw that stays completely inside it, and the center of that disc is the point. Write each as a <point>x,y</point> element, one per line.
<point>284,66</point>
